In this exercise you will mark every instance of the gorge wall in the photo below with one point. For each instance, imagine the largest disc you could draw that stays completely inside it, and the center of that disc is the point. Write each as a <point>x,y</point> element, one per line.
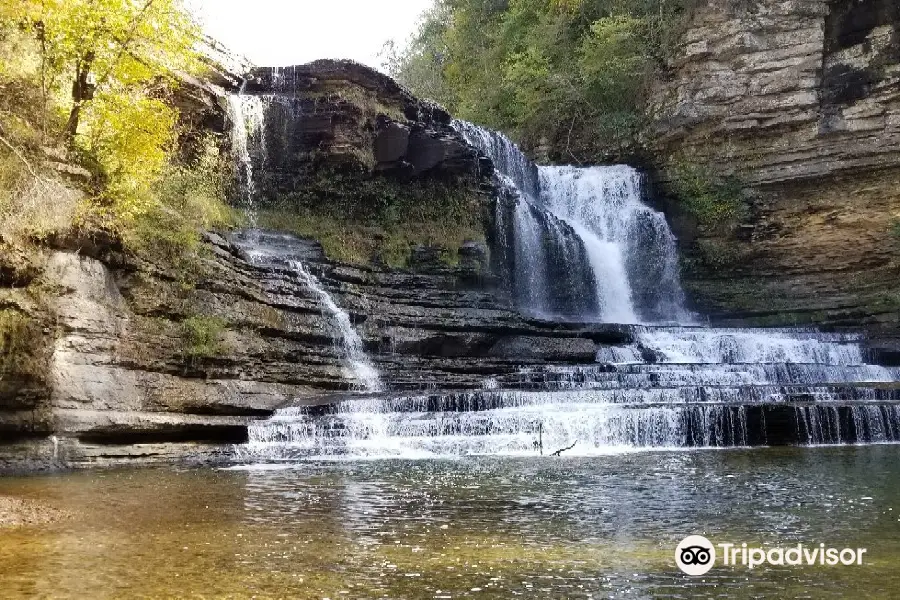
<point>119,357</point>
<point>800,102</point>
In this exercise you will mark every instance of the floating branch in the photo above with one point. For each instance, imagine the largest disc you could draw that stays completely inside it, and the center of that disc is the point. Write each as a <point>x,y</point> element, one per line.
<point>561,450</point>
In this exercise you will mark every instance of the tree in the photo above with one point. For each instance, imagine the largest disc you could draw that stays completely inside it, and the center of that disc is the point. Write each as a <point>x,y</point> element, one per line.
<point>567,75</point>
<point>109,46</point>
<point>117,61</point>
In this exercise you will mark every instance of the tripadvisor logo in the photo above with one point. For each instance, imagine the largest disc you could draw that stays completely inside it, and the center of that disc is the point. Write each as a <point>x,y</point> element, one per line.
<point>696,555</point>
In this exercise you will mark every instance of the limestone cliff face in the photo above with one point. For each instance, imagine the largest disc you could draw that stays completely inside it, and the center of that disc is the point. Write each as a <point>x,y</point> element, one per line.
<point>121,383</point>
<point>800,100</point>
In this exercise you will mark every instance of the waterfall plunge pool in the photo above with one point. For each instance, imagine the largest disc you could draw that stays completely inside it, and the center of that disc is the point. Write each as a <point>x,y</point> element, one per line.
<point>471,528</point>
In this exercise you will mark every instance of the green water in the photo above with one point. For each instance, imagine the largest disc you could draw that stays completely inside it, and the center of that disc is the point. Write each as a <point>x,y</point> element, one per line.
<point>482,528</point>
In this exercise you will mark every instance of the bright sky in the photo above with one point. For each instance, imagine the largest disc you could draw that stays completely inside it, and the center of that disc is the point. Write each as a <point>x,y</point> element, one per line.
<point>276,33</point>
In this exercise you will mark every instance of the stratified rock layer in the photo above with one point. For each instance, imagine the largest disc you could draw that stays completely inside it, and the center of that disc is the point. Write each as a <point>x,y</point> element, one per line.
<point>123,384</point>
<point>801,101</point>
<point>342,113</point>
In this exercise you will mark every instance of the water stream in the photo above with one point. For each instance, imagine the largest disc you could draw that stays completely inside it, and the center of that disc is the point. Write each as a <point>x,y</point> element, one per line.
<point>360,369</point>
<point>247,114</point>
<point>247,117</point>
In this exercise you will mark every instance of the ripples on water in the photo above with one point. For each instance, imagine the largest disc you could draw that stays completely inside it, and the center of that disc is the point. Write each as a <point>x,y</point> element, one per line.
<point>579,527</point>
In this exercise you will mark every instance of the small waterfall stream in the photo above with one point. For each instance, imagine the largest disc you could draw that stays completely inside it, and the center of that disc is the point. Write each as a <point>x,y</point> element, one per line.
<point>248,140</point>
<point>247,117</point>
<point>361,369</point>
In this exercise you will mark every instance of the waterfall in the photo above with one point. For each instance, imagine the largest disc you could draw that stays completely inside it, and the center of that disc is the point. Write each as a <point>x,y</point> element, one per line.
<point>579,244</point>
<point>621,257</point>
<point>631,246</point>
<point>361,369</point>
<point>707,388</point>
<point>247,115</point>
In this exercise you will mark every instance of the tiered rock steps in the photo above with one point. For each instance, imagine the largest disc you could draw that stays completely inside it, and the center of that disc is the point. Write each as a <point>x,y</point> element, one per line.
<point>816,389</point>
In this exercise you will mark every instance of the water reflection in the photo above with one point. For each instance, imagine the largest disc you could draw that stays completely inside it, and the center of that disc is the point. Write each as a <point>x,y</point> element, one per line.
<point>592,527</point>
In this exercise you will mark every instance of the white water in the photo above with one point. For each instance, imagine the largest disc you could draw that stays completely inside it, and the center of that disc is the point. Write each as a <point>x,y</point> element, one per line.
<point>360,366</point>
<point>608,264</point>
<point>628,242</point>
<point>247,117</point>
<point>587,231</point>
<point>629,247</point>
<point>701,345</point>
<point>697,396</point>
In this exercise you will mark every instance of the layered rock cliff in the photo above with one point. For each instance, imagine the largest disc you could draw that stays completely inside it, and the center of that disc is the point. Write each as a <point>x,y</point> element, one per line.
<point>800,102</point>
<point>124,358</point>
<point>123,381</point>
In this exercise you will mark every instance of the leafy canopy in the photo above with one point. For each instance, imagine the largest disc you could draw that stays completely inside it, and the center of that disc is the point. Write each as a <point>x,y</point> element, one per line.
<point>110,65</point>
<point>100,75</point>
<point>568,75</point>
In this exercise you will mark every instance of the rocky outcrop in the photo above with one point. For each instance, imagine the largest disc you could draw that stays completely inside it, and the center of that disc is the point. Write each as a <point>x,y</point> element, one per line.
<point>341,113</point>
<point>146,361</point>
<point>800,100</point>
<point>124,383</point>
<point>340,148</point>
<point>200,99</point>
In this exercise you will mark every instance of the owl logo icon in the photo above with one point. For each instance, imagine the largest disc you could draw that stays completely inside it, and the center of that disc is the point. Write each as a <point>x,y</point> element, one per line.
<point>695,555</point>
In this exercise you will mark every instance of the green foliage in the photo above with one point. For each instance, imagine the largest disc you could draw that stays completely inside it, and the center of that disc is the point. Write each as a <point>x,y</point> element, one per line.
<point>895,228</point>
<point>129,145</point>
<point>717,203</point>
<point>571,74</point>
<point>202,336</point>
<point>19,343</point>
<point>359,218</point>
<point>99,76</point>
<point>188,199</point>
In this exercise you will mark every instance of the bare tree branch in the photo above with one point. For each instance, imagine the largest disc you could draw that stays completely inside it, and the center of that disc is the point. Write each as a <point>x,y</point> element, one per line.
<point>20,156</point>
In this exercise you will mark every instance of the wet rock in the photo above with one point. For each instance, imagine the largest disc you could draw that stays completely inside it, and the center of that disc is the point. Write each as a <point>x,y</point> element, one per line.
<point>391,143</point>
<point>427,258</point>
<point>123,385</point>
<point>474,256</point>
<point>545,349</point>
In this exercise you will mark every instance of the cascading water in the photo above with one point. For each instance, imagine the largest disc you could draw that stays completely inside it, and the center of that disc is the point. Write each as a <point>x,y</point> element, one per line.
<point>620,254</point>
<point>247,115</point>
<point>361,369</point>
<point>631,248</point>
<point>579,244</point>
<point>755,388</point>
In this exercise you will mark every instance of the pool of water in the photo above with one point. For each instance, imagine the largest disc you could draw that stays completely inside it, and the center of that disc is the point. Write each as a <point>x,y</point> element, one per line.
<point>602,527</point>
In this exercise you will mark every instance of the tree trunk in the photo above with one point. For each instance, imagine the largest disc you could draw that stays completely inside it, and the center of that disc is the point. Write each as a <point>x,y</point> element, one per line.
<point>82,90</point>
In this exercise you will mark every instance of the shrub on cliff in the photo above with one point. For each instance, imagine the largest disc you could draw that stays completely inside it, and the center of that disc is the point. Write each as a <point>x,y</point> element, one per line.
<point>716,202</point>
<point>202,337</point>
<point>22,351</point>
